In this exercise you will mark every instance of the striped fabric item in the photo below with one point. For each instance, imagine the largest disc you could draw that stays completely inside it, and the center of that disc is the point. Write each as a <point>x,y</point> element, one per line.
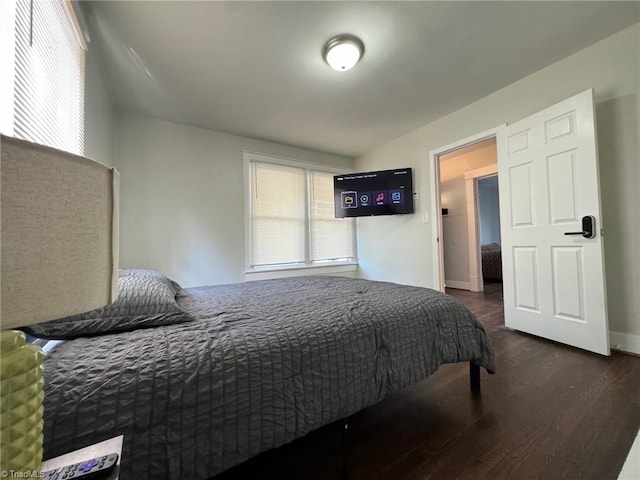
<point>263,363</point>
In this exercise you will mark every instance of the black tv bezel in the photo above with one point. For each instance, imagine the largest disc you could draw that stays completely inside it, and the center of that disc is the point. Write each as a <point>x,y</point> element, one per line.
<point>408,208</point>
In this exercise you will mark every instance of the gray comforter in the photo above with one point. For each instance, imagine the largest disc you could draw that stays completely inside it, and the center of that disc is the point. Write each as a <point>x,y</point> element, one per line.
<point>263,363</point>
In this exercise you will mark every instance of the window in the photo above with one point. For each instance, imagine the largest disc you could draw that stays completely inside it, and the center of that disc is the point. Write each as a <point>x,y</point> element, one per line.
<point>291,216</point>
<point>49,55</point>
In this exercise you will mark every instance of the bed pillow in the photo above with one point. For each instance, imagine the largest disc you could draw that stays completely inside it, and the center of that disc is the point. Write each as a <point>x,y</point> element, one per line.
<point>146,298</point>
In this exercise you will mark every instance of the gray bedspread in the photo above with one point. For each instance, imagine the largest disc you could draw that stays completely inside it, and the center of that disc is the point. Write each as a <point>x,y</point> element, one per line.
<point>264,363</point>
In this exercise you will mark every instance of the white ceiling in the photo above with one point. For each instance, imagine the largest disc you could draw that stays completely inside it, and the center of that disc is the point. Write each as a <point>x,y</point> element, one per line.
<point>254,68</point>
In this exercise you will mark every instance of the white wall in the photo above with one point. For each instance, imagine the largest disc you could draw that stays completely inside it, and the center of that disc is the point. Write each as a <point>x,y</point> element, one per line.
<point>182,198</point>
<point>99,114</point>
<point>489,210</point>
<point>401,248</point>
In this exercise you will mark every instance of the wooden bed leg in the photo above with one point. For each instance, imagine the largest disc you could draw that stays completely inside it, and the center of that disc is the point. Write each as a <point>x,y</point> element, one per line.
<point>474,377</point>
<point>345,447</point>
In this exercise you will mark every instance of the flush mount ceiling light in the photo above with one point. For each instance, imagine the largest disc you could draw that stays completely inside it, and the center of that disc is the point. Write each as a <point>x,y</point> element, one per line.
<point>343,52</point>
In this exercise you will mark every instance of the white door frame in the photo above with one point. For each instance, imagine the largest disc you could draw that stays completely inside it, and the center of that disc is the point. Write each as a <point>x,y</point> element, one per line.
<point>436,207</point>
<point>471,177</point>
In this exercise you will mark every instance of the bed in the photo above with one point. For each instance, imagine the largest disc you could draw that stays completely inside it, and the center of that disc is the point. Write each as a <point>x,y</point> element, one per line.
<point>491,262</point>
<point>235,370</point>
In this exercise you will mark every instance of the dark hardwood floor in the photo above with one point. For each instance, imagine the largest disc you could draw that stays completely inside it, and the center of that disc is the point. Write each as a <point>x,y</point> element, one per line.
<point>549,412</point>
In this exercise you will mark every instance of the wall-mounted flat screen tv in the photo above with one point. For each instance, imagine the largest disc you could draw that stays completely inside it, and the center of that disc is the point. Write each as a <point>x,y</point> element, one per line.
<point>386,192</point>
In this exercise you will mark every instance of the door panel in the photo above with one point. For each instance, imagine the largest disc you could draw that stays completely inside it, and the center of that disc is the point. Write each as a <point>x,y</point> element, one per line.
<point>568,289</point>
<point>521,196</point>
<point>526,278</point>
<point>560,183</point>
<point>518,142</point>
<point>561,126</point>
<point>548,173</point>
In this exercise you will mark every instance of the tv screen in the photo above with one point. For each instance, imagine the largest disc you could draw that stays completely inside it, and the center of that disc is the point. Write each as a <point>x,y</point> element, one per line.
<point>387,192</point>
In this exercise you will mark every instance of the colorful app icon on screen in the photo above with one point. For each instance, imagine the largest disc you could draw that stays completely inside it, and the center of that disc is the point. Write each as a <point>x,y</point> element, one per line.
<point>364,199</point>
<point>349,199</point>
<point>381,197</point>
<point>397,196</point>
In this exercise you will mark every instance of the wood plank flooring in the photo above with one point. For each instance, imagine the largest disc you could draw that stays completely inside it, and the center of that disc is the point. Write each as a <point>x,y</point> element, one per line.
<point>550,412</point>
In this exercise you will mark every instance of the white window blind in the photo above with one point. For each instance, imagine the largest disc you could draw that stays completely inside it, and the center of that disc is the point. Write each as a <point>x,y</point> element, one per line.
<point>331,238</point>
<point>277,215</point>
<point>49,76</point>
<point>292,220</point>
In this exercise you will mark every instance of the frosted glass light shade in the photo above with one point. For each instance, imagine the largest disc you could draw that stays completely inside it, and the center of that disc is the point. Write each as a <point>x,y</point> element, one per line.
<point>342,53</point>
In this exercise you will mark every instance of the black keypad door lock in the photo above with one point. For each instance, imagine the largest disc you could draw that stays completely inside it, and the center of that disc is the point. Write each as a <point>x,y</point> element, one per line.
<point>588,227</point>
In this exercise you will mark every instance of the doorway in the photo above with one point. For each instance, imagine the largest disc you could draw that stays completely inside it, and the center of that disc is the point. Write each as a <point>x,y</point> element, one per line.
<point>488,210</point>
<point>552,252</point>
<point>469,215</point>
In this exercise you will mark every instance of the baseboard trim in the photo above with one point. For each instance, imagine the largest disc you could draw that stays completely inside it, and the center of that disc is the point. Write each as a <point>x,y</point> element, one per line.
<point>625,342</point>
<point>458,285</point>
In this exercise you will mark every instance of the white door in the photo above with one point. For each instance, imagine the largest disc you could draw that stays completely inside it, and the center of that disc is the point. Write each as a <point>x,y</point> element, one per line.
<point>548,175</point>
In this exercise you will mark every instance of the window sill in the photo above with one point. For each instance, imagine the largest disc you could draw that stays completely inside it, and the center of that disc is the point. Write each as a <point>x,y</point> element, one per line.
<point>339,269</point>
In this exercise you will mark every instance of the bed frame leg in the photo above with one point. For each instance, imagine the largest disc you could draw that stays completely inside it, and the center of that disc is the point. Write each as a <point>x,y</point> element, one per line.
<point>345,447</point>
<point>474,377</point>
